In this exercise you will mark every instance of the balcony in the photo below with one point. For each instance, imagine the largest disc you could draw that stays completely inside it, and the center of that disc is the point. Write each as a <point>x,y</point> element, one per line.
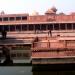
<point>54,44</point>
<point>53,50</point>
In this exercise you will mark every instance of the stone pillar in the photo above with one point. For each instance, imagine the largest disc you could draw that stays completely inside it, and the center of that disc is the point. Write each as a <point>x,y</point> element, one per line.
<point>72,25</point>
<point>53,26</point>
<point>66,26</point>
<point>27,27</point>
<point>59,26</point>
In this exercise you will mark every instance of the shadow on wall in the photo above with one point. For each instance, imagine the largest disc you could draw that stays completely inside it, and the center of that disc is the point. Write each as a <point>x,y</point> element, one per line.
<point>6,53</point>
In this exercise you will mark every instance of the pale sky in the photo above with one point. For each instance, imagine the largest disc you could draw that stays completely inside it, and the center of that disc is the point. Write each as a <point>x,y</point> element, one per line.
<point>28,6</point>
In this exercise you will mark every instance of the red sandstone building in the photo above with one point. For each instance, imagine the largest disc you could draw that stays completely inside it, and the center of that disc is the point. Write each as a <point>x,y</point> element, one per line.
<point>49,37</point>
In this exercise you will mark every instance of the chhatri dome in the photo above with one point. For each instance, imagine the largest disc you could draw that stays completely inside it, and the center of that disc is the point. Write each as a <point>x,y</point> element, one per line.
<point>52,10</point>
<point>35,13</point>
<point>2,12</point>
